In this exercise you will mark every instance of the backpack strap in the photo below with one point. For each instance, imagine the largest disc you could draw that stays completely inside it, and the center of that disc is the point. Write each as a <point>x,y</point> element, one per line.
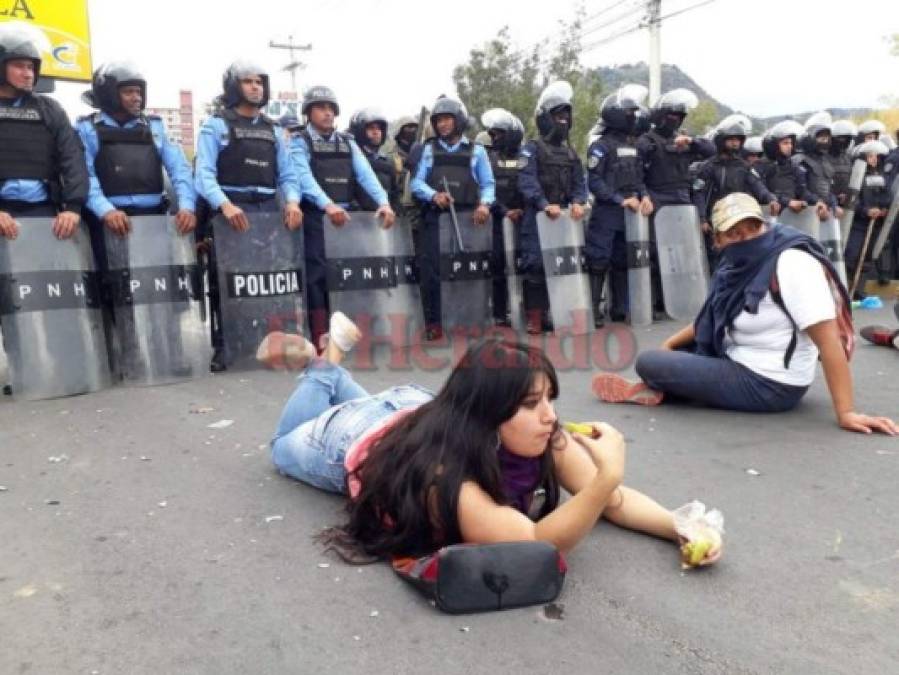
<point>778,298</point>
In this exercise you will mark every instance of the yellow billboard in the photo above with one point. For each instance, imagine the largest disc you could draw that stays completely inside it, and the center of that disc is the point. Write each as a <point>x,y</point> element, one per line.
<point>59,30</point>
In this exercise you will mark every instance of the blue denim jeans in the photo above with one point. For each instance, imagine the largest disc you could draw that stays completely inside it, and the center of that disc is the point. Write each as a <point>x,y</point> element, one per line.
<point>715,382</point>
<point>326,413</point>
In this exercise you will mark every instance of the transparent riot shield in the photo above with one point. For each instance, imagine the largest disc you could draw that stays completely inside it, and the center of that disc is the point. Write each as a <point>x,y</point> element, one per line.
<point>465,276</point>
<point>683,264</point>
<point>373,277</point>
<point>261,283</point>
<point>50,313</point>
<point>567,282</point>
<point>639,280</point>
<point>160,335</point>
<point>514,275</point>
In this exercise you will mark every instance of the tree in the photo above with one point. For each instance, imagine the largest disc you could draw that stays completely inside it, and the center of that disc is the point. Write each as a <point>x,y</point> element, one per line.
<point>701,118</point>
<point>500,75</point>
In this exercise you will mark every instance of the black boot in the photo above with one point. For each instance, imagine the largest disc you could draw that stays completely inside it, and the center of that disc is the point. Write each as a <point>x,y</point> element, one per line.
<point>597,282</point>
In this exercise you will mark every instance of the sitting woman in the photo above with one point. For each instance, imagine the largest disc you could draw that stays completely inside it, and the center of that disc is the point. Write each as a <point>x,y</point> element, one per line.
<point>775,305</point>
<point>483,461</point>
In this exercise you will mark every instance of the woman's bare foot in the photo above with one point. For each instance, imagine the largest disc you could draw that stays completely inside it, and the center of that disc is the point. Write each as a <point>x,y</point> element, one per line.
<point>341,337</point>
<point>613,388</point>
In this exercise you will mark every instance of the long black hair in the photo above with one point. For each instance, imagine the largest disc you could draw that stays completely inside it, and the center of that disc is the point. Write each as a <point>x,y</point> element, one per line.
<point>411,478</point>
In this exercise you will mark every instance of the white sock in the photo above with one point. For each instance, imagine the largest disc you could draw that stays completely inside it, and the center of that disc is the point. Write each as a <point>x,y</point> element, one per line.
<point>343,332</point>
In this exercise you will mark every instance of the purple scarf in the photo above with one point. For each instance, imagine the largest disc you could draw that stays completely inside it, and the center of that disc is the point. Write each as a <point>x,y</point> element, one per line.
<point>520,478</point>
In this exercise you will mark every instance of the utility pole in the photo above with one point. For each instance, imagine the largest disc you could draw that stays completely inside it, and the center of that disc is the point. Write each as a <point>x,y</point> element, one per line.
<point>654,21</point>
<point>292,66</point>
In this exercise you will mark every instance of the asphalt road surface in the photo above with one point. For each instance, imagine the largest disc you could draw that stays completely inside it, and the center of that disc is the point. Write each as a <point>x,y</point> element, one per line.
<point>134,538</point>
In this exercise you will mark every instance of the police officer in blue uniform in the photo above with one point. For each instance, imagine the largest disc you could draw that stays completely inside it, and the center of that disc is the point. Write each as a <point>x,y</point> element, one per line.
<point>126,151</point>
<point>242,162</point>
<point>334,174</point>
<point>615,177</point>
<point>42,171</point>
<point>369,129</point>
<point>550,178</point>
<point>466,168</point>
<point>506,133</point>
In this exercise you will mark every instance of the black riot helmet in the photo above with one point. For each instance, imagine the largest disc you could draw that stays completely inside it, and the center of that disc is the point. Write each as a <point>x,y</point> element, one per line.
<point>447,105</point>
<point>231,91</point>
<point>780,131</point>
<point>732,126</point>
<point>619,109</point>
<point>505,129</point>
<point>104,91</point>
<point>320,94</point>
<point>555,99</point>
<point>15,44</point>
<point>669,112</point>
<point>361,119</point>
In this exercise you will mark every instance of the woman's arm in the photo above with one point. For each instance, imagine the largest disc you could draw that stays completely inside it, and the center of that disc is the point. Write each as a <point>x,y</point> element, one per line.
<point>681,338</point>
<point>627,507</point>
<point>483,521</point>
<point>826,337</point>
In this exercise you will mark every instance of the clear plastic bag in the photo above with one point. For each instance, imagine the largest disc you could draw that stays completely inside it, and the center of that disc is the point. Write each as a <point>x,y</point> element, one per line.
<point>702,530</point>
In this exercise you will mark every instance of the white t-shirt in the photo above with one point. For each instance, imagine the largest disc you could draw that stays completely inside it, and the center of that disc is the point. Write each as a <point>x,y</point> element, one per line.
<point>759,341</point>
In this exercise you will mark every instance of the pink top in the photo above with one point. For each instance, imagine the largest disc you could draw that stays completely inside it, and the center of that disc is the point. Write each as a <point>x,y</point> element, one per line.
<point>359,450</point>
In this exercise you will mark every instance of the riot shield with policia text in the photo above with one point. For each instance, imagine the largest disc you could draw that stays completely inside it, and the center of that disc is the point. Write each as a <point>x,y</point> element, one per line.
<point>261,283</point>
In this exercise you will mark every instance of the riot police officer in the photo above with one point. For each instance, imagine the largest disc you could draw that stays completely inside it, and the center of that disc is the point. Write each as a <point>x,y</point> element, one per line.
<point>752,151</point>
<point>667,153</point>
<point>241,164</point>
<point>615,178</point>
<point>728,172</point>
<point>333,174</point>
<point>873,202</point>
<point>814,158</point>
<point>126,151</point>
<point>550,178</point>
<point>42,171</point>
<point>505,133</point>
<point>843,134</point>
<point>447,158</point>
<point>369,129</point>
<point>777,170</point>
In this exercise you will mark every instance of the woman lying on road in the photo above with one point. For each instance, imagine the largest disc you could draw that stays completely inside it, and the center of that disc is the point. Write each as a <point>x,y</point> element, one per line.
<point>775,305</point>
<point>467,465</point>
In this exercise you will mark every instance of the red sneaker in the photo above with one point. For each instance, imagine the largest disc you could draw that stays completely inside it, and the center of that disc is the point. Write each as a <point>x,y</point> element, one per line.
<point>613,388</point>
<point>881,336</point>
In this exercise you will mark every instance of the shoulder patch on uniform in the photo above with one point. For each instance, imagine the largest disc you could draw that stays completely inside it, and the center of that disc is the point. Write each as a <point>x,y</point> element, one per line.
<point>523,160</point>
<point>597,151</point>
<point>525,153</point>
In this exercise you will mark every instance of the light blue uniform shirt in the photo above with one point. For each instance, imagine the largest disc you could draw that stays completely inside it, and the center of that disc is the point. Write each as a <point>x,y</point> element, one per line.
<point>480,171</point>
<point>172,157</point>
<point>365,176</point>
<point>213,138</point>
<point>23,189</point>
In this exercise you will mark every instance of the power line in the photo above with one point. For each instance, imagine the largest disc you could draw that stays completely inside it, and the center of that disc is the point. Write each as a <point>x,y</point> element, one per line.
<point>644,23</point>
<point>620,17</point>
<point>605,10</point>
